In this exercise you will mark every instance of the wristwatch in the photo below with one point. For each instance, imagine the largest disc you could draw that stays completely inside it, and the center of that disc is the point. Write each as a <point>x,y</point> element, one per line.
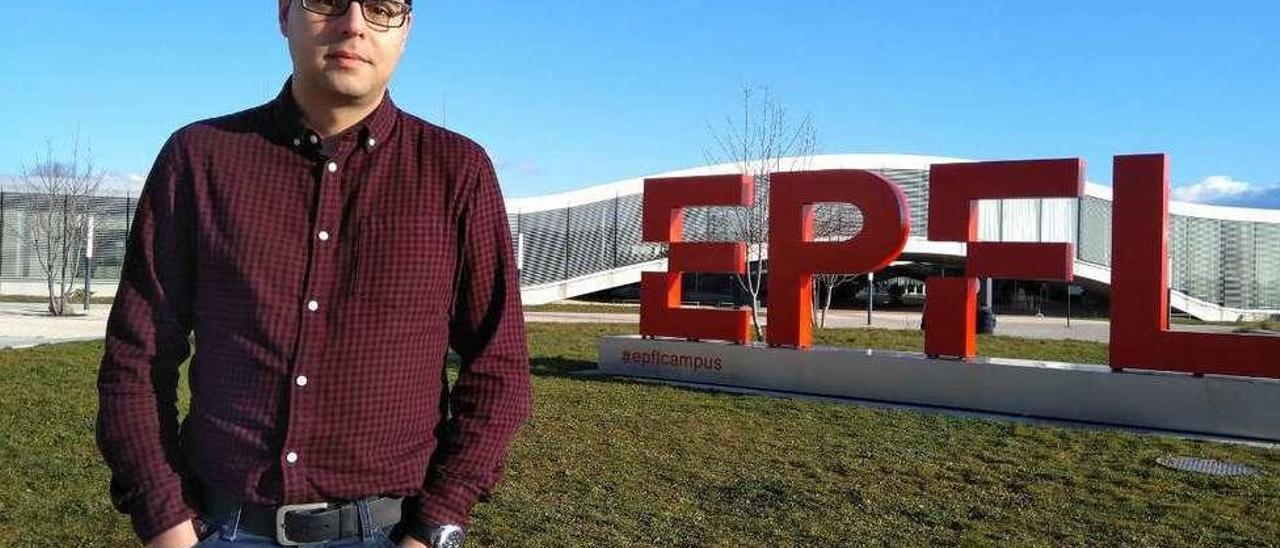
<point>439,536</point>
<point>447,536</point>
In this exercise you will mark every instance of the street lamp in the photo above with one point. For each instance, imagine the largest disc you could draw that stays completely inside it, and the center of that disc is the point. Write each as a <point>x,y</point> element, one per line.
<point>88,260</point>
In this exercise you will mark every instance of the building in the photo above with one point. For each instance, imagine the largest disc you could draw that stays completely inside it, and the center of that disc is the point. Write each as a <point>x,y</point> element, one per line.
<point>1225,261</point>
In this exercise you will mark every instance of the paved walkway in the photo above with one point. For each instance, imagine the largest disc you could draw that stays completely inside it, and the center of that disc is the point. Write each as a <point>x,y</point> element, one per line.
<point>29,324</point>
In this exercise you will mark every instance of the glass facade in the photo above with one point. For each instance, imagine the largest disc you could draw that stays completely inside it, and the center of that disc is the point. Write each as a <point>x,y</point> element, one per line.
<point>18,213</point>
<point>1230,263</point>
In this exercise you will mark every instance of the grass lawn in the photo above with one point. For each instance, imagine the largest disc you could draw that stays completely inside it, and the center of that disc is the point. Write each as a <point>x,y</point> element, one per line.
<point>620,463</point>
<point>589,308</point>
<point>1267,325</point>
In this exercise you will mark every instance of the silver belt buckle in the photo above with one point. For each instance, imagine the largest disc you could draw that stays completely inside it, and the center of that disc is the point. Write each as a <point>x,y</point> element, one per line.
<point>281,537</point>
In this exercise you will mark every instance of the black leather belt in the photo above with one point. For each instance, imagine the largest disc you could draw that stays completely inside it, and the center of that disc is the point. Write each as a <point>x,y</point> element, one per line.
<point>294,524</point>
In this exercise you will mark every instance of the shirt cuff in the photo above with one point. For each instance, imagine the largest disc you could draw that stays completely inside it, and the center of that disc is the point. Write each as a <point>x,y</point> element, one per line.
<point>447,501</point>
<point>156,511</point>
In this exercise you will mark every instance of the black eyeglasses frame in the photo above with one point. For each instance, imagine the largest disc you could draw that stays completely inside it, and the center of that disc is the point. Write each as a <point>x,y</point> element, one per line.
<point>403,17</point>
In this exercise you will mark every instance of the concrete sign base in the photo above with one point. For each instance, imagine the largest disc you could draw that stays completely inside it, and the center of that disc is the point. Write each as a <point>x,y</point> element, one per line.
<point>1222,406</point>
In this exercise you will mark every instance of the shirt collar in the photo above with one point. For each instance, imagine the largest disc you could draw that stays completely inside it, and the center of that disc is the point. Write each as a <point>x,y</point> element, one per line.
<point>374,129</point>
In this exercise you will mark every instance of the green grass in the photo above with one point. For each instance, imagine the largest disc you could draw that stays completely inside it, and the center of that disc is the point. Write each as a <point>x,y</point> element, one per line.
<point>584,307</point>
<point>621,463</point>
<point>1240,327</point>
<point>995,346</point>
<point>1268,325</point>
<point>1265,324</point>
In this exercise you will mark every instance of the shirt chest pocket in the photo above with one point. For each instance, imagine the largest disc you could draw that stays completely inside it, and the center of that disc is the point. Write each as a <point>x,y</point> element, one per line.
<point>405,262</point>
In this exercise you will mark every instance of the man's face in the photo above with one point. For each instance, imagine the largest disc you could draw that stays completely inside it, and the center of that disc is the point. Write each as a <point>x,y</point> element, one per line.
<point>342,55</point>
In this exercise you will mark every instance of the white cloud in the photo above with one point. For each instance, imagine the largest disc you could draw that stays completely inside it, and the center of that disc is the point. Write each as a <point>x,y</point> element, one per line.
<point>1222,189</point>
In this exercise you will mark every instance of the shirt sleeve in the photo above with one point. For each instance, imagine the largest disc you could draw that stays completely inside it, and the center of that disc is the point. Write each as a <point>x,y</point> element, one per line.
<point>146,340</point>
<point>491,398</point>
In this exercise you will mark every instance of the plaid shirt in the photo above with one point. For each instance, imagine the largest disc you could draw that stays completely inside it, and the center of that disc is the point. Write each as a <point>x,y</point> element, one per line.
<point>324,280</point>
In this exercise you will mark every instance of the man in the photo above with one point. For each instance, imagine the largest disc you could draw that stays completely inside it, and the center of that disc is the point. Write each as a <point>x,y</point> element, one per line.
<point>326,249</point>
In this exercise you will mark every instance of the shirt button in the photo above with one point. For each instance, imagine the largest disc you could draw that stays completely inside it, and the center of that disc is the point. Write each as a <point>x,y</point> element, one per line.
<point>313,138</point>
<point>297,142</point>
<point>291,457</point>
<point>371,142</point>
<point>333,167</point>
<point>301,380</point>
<point>324,235</point>
<point>312,305</point>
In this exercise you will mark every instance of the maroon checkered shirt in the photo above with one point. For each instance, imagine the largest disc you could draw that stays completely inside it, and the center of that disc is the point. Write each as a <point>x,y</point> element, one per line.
<point>324,281</point>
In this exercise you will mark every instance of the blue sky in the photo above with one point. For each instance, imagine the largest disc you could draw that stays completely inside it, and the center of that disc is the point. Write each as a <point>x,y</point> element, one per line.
<point>566,94</point>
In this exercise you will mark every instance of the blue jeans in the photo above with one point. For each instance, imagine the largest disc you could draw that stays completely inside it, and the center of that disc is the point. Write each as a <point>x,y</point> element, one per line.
<point>225,530</point>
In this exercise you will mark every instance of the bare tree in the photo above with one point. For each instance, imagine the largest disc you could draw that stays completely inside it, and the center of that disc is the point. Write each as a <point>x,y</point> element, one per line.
<point>762,138</point>
<point>832,222</point>
<point>62,193</point>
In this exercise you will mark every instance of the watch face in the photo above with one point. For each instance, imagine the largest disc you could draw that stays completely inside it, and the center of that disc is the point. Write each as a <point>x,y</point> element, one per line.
<point>448,536</point>
<point>451,539</point>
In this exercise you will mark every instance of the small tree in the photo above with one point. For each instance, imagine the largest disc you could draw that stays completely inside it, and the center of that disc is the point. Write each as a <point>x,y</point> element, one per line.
<point>832,222</point>
<point>62,195</point>
<point>764,138</point>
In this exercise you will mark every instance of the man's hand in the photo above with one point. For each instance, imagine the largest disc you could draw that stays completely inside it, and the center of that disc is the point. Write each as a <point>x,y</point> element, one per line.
<point>182,535</point>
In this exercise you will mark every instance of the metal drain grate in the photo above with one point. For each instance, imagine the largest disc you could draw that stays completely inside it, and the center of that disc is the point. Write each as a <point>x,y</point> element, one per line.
<point>1206,466</point>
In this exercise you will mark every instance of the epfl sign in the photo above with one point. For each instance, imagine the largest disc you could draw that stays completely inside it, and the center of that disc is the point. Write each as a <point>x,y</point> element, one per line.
<point>1140,336</point>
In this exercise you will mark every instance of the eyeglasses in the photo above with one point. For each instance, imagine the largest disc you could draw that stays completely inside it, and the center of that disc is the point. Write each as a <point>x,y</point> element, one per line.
<point>386,14</point>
